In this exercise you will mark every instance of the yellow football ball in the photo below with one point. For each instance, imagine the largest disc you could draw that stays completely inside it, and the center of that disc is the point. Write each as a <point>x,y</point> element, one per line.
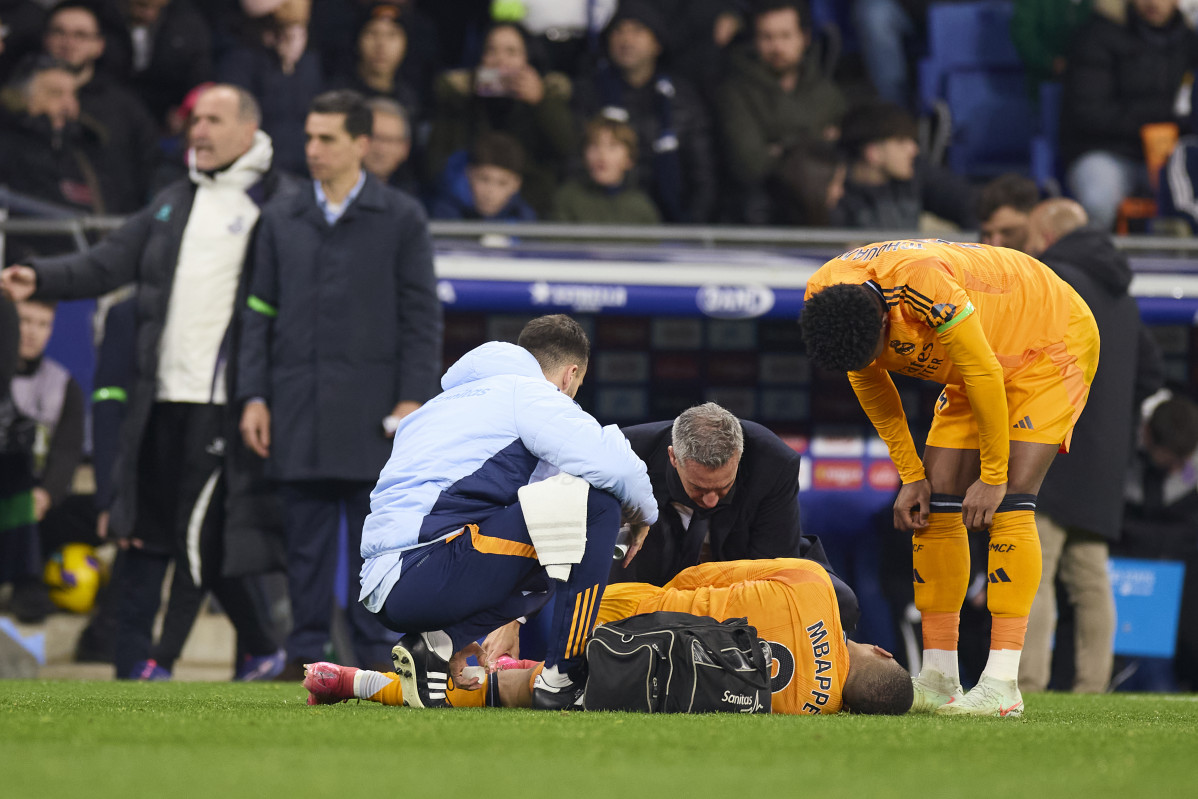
<point>74,575</point>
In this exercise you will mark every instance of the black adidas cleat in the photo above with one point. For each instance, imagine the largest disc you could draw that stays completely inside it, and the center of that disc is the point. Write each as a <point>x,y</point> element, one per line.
<point>423,674</point>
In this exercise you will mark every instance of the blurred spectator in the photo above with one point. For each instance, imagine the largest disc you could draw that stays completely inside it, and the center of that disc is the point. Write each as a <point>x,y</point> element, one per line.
<point>809,184</point>
<point>888,186</point>
<point>606,195</point>
<point>382,45</point>
<point>1176,198</point>
<point>1080,504</point>
<point>47,152</point>
<point>390,146</point>
<point>20,561</point>
<point>506,93</point>
<point>336,23</point>
<point>74,36</point>
<point>1161,516</point>
<point>564,30</point>
<point>700,33</point>
<point>21,23</point>
<point>675,165</point>
<point>284,74</point>
<point>232,21</point>
<point>1004,206</point>
<point>345,241</point>
<point>494,174</point>
<point>1120,77</point>
<point>180,470</point>
<point>776,96</point>
<point>1042,31</point>
<point>45,393</point>
<point>165,50</point>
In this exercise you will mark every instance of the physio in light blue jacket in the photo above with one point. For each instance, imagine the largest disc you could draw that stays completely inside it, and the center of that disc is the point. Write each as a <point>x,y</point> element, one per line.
<point>446,548</point>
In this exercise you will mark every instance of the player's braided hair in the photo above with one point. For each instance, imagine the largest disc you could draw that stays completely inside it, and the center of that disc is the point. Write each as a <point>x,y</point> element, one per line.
<point>841,325</point>
<point>878,688</point>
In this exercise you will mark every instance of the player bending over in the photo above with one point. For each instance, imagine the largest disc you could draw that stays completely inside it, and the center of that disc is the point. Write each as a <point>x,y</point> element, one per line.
<point>1016,349</point>
<point>791,602</point>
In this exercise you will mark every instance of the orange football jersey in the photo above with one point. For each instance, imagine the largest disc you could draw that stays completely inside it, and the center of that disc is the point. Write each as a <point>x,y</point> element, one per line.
<point>930,286</point>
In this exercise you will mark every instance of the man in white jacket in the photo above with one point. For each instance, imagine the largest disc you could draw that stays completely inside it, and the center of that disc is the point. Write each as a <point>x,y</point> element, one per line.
<point>448,555</point>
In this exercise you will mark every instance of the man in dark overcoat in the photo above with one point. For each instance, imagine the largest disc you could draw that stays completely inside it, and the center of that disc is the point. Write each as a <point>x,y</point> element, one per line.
<point>342,339</point>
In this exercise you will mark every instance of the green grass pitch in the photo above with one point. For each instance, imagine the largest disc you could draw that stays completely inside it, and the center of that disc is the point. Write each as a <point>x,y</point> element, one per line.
<point>217,741</point>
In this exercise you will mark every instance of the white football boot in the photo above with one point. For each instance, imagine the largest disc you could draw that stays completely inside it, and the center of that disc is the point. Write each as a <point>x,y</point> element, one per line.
<point>933,689</point>
<point>990,697</point>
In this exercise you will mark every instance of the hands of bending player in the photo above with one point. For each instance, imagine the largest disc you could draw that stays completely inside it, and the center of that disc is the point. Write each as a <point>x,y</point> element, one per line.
<point>911,506</point>
<point>504,641</point>
<point>981,500</point>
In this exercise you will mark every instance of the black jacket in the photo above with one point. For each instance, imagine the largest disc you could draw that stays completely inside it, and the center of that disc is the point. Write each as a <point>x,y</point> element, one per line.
<point>897,205</point>
<point>180,57</point>
<point>63,168</point>
<point>758,518</point>
<point>1084,489</point>
<point>145,250</point>
<point>356,328</point>
<point>131,151</point>
<point>1121,77</point>
<point>58,167</point>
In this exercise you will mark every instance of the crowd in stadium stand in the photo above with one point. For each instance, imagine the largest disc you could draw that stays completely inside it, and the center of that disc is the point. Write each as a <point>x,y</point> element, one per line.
<point>727,106</point>
<point>757,112</point>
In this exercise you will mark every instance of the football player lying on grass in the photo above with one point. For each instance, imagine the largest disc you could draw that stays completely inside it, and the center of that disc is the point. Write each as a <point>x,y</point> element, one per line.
<point>791,602</point>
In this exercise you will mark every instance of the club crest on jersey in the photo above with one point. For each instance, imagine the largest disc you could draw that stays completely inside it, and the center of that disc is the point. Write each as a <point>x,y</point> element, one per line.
<point>902,347</point>
<point>943,312</point>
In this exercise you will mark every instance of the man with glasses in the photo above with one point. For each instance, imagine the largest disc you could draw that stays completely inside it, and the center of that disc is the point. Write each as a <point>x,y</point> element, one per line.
<point>73,35</point>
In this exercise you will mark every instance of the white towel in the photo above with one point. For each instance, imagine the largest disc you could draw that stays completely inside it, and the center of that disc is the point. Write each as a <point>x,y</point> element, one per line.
<point>555,511</point>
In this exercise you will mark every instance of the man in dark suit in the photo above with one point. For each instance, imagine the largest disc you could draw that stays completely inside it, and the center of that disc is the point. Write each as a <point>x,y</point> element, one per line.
<point>342,339</point>
<point>726,489</point>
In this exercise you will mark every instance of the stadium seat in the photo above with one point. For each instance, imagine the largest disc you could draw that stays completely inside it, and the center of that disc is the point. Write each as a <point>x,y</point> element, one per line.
<point>972,66</point>
<point>992,126</point>
<point>837,13</point>
<point>71,342</point>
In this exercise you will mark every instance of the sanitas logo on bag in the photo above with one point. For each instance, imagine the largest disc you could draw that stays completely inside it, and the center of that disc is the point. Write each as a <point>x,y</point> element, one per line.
<point>735,302</point>
<point>746,703</point>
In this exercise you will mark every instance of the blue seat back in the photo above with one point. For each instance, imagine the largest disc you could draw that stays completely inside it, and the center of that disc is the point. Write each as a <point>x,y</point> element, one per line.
<point>973,67</point>
<point>993,122</point>
<point>971,35</point>
<point>71,342</point>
